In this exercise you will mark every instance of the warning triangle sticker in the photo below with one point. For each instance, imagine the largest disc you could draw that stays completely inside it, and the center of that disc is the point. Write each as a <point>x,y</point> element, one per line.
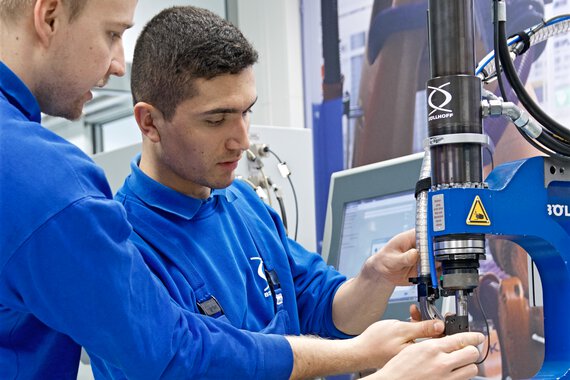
<point>478,216</point>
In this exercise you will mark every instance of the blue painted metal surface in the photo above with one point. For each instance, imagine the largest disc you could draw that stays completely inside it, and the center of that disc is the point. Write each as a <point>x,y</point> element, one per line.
<point>535,214</point>
<point>328,155</point>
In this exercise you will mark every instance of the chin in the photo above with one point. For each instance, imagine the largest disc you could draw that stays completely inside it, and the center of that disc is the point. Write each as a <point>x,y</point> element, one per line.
<point>221,184</point>
<point>56,106</point>
<point>75,115</point>
<point>76,112</point>
<point>69,114</point>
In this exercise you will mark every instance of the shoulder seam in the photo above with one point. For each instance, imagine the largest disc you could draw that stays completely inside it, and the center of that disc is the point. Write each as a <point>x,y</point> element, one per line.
<point>42,225</point>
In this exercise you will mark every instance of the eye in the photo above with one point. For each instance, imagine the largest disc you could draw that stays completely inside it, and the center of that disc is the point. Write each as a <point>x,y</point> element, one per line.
<point>115,35</point>
<point>215,121</point>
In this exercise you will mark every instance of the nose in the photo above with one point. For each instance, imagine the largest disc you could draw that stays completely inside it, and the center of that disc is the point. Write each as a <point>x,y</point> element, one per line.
<point>117,66</point>
<point>240,135</point>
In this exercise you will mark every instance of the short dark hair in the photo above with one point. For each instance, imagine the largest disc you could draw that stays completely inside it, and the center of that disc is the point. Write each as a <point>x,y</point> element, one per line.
<point>12,9</point>
<point>182,44</point>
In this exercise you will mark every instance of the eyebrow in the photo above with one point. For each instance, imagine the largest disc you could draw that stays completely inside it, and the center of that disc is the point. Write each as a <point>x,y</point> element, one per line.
<point>124,25</point>
<point>216,111</point>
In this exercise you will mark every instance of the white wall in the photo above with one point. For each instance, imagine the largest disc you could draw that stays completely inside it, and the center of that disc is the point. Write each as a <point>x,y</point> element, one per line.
<point>146,9</point>
<point>274,28</point>
<point>312,57</point>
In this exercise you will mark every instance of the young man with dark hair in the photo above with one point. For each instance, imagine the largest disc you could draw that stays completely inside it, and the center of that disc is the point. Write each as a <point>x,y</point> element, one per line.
<point>215,246</point>
<point>69,277</point>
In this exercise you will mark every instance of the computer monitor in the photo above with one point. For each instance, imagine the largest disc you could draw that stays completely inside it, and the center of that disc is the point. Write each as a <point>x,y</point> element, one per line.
<point>367,206</point>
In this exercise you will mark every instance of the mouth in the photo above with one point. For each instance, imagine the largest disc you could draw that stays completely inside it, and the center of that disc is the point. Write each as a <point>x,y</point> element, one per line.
<point>230,165</point>
<point>232,160</point>
<point>229,162</point>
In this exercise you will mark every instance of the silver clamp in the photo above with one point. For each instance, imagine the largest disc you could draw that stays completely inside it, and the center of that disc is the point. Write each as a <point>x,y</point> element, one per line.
<point>502,11</point>
<point>457,138</point>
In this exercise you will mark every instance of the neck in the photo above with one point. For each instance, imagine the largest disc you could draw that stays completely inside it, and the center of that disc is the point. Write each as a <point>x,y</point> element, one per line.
<point>17,51</point>
<point>153,167</point>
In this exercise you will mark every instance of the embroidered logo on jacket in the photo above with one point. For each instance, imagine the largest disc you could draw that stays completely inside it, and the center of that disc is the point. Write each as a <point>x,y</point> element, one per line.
<point>261,273</point>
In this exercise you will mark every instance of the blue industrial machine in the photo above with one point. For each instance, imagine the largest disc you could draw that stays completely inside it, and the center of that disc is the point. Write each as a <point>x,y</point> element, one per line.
<point>527,201</point>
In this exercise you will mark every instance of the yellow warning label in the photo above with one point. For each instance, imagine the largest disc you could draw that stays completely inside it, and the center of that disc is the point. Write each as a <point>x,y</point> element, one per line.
<point>478,216</point>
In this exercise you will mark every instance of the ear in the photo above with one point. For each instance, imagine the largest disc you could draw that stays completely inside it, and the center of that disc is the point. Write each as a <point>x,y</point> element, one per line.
<point>48,17</point>
<point>149,119</point>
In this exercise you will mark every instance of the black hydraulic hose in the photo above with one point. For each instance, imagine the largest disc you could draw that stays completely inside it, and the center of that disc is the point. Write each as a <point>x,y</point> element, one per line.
<point>534,144</point>
<point>524,97</point>
<point>283,212</point>
<point>496,47</point>
<point>292,190</point>
<point>554,144</point>
<point>559,146</point>
<point>551,145</point>
<point>281,203</point>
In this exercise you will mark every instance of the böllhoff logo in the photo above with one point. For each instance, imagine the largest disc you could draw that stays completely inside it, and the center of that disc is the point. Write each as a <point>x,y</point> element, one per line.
<point>447,113</point>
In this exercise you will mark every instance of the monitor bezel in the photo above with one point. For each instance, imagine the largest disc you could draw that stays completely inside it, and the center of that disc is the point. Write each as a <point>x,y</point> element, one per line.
<point>365,182</point>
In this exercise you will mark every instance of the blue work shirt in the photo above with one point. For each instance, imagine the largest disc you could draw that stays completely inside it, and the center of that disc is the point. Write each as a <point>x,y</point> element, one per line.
<point>223,242</point>
<point>69,277</point>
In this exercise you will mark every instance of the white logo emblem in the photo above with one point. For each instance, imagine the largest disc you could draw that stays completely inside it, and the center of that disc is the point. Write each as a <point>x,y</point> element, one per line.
<point>445,102</point>
<point>261,273</point>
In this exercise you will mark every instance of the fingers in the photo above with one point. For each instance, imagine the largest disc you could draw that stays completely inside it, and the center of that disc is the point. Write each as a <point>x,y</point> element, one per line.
<point>464,356</point>
<point>411,257</point>
<point>396,260</point>
<point>467,372</point>
<point>463,362</point>
<point>404,240</point>
<point>424,329</point>
<point>415,314</point>
<point>456,342</point>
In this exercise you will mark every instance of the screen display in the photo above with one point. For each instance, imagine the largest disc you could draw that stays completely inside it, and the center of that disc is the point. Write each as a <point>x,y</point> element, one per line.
<point>369,224</point>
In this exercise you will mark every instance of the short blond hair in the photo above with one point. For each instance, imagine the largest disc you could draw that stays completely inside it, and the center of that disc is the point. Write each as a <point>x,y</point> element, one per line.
<point>13,9</point>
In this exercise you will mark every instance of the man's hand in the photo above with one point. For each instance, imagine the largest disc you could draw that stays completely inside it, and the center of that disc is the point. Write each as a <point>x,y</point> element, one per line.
<point>385,339</point>
<point>451,358</point>
<point>375,348</point>
<point>396,262</point>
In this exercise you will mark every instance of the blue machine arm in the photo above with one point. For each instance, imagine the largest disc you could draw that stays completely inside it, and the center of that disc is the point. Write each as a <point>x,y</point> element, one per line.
<point>527,202</point>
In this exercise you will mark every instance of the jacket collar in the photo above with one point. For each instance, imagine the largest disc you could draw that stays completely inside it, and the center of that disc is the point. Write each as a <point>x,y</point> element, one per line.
<point>164,198</point>
<point>18,94</point>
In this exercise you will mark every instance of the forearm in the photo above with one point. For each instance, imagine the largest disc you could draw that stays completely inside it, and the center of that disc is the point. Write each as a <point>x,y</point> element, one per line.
<point>359,302</point>
<point>362,300</point>
<point>55,295</point>
<point>314,357</point>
